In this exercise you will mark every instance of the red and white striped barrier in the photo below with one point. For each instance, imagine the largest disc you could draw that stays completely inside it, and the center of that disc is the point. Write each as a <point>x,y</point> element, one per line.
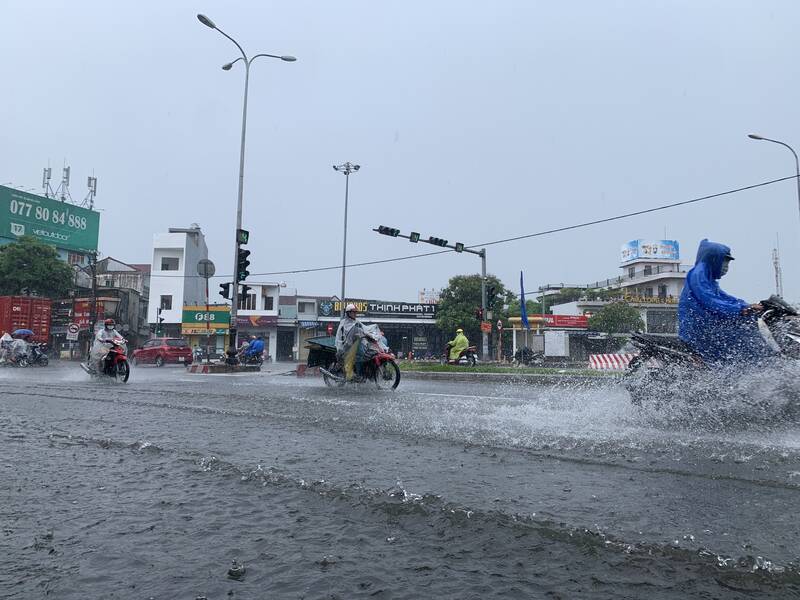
<point>610,362</point>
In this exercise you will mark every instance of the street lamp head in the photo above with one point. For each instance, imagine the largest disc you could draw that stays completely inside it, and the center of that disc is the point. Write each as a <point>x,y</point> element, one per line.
<point>227,66</point>
<point>753,136</point>
<point>206,21</point>
<point>356,167</point>
<point>288,58</point>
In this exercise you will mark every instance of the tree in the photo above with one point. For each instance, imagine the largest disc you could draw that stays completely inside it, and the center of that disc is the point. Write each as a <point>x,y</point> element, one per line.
<point>458,301</point>
<point>30,267</point>
<point>533,307</point>
<point>617,317</point>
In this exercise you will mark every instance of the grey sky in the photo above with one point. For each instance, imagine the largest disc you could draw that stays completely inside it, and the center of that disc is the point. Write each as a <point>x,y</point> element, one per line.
<point>472,121</point>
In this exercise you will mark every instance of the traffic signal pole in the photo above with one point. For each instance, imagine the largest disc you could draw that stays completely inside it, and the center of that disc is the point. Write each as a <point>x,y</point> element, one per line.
<point>458,247</point>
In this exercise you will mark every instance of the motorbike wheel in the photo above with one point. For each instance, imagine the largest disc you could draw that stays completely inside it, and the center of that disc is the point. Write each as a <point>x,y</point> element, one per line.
<point>43,361</point>
<point>122,371</point>
<point>159,361</point>
<point>387,376</point>
<point>23,361</point>
<point>331,382</point>
<point>471,362</point>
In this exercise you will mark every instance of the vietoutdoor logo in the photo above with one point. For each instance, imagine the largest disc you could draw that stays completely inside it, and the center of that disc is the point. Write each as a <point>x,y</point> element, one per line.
<point>17,229</point>
<point>51,234</point>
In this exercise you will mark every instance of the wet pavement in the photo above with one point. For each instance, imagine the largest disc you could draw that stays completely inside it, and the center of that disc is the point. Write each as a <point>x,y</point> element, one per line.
<point>437,490</point>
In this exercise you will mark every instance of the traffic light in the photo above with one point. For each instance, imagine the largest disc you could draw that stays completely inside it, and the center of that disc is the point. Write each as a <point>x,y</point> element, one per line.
<point>413,237</point>
<point>225,290</point>
<point>388,231</point>
<point>459,247</point>
<point>241,264</point>
<point>491,294</point>
<point>242,236</point>
<point>479,314</point>
<point>437,241</point>
<point>245,290</point>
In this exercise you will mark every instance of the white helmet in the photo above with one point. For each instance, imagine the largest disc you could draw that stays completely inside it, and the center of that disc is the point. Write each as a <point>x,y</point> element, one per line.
<point>350,307</point>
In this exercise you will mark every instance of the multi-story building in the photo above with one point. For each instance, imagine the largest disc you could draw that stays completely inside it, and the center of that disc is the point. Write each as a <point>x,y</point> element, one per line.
<point>174,282</point>
<point>257,315</point>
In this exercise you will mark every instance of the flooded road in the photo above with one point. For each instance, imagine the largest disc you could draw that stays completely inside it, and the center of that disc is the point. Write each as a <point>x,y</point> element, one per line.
<point>437,490</point>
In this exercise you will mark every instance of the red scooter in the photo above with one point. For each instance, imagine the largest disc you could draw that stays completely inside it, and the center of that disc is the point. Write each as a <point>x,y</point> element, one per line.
<point>115,363</point>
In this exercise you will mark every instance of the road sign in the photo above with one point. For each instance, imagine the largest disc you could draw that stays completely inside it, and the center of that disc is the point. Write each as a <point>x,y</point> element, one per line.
<point>206,269</point>
<point>499,324</point>
<point>486,327</point>
<point>72,332</point>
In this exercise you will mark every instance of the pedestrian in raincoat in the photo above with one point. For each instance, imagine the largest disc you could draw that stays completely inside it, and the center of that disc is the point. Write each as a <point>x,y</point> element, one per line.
<point>348,338</point>
<point>720,327</point>
<point>458,345</point>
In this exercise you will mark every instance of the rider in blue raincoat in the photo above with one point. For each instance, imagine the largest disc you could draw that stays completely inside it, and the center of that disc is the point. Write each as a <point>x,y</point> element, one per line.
<point>719,326</point>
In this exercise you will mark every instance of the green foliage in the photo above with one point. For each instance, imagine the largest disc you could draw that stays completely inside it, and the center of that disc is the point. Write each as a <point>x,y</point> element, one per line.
<point>617,317</point>
<point>533,307</point>
<point>30,267</point>
<point>458,301</point>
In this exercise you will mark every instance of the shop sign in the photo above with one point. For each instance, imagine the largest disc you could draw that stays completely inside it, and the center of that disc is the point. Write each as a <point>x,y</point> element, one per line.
<point>256,321</point>
<point>82,312</point>
<point>378,308</point>
<point>486,327</point>
<point>214,317</point>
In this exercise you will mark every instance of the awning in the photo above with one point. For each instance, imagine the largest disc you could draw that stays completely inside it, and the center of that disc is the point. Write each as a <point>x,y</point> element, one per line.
<point>308,324</point>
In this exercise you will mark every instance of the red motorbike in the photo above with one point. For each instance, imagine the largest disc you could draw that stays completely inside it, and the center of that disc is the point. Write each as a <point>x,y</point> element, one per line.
<point>375,363</point>
<point>468,357</point>
<point>115,363</point>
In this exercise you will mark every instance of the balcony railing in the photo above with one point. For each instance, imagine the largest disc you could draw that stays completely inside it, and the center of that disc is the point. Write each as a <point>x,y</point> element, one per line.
<point>619,280</point>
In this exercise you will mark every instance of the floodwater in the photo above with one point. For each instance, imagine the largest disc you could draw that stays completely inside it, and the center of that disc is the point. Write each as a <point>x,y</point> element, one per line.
<point>437,490</point>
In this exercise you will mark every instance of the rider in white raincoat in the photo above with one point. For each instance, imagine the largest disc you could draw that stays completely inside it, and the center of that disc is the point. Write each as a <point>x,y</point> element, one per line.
<point>99,347</point>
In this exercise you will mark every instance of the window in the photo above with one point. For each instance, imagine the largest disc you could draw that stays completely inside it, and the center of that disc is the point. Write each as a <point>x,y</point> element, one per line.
<point>648,270</point>
<point>166,302</point>
<point>75,259</point>
<point>247,302</point>
<point>268,303</point>
<point>169,264</point>
<point>648,292</point>
<point>631,272</point>
<point>305,307</point>
<point>662,291</point>
<point>177,343</point>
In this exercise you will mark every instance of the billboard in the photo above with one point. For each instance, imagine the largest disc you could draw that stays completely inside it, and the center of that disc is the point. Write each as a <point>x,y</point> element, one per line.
<point>51,221</point>
<point>379,308</point>
<point>202,320</point>
<point>650,249</point>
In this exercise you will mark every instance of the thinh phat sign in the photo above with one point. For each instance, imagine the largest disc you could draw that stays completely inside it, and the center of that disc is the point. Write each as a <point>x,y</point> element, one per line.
<point>56,223</point>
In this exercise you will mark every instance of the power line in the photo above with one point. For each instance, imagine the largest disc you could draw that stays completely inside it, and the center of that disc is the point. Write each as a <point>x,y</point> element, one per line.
<point>519,237</point>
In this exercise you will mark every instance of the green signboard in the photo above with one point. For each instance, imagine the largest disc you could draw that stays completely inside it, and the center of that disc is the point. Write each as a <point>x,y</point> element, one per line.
<point>197,320</point>
<point>57,223</point>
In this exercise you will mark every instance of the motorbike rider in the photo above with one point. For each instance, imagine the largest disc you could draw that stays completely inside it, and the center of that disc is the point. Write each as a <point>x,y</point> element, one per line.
<point>19,347</point>
<point>348,337</point>
<point>457,345</point>
<point>5,346</point>
<point>718,326</point>
<point>256,347</point>
<point>100,347</point>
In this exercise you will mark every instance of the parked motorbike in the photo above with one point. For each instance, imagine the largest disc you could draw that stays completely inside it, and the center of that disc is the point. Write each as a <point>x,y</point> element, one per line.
<point>525,356</point>
<point>37,355</point>
<point>655,370</point>
<point>115,363</point>
<point>375,363</point>
<point>468,357</point>
<point>252,360</point>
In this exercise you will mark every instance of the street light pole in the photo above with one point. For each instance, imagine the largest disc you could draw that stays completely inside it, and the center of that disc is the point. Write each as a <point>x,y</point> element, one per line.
<point>227,67</point>
<point>753,136</point>
<point>345,168</point>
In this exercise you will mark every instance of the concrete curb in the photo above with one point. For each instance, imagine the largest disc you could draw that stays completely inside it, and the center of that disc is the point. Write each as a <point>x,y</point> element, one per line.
<point>517,378</point>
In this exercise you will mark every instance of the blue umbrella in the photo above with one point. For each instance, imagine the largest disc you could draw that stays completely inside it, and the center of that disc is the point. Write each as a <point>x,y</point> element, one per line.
<point>22,332</point>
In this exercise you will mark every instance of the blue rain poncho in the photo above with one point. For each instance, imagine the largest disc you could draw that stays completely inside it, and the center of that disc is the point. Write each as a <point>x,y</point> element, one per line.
<point>710,320</point>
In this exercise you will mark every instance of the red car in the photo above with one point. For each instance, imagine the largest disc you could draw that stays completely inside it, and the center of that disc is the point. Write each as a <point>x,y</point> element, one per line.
<point>160,351</point>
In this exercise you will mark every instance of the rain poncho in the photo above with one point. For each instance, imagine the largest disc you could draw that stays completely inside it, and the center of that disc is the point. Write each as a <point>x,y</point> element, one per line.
<point>710,320</point>
<point>349,332</point>
<point>99,348</point>
<point>458,345</point>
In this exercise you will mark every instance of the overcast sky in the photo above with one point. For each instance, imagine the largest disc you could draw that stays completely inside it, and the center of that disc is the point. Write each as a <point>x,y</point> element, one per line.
<point>472,121</point>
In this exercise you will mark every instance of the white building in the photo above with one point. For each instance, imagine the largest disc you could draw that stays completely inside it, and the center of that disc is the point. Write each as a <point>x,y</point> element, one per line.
<point>174,282</point>
<point>258,315</point>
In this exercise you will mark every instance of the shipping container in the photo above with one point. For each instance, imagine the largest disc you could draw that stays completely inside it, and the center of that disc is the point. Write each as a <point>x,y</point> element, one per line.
<point>25,312</point>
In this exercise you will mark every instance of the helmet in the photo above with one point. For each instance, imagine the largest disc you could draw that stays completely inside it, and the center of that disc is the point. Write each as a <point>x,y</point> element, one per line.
<point>459,330</point>
<point>109,323</point>
<point>350,307</point>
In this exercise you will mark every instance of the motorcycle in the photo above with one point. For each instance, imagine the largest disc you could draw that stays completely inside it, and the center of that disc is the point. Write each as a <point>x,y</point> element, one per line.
<point>114,364</point>
<point>661,360</point>
<point>468,357</point>
<point>252,360</point>
<point>374,363</point>
<point>525,356</point>
<point>37,355</point>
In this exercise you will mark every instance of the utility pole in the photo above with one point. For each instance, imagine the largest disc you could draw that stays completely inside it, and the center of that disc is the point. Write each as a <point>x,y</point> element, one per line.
<point>414,237</point>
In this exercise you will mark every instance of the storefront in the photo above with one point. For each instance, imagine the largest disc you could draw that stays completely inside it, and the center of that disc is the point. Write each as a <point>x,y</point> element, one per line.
<point>206,327</point>
<point>407,326</point>
<point>263,326</point>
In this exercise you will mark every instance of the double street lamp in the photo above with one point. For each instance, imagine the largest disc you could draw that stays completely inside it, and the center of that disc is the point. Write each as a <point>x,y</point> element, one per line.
<point>345,168</point>
<point>753,136</point>
<point>227,67</point>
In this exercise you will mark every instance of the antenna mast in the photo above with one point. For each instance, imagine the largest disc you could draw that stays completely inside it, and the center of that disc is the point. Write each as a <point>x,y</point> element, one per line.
<point>776,262</point>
